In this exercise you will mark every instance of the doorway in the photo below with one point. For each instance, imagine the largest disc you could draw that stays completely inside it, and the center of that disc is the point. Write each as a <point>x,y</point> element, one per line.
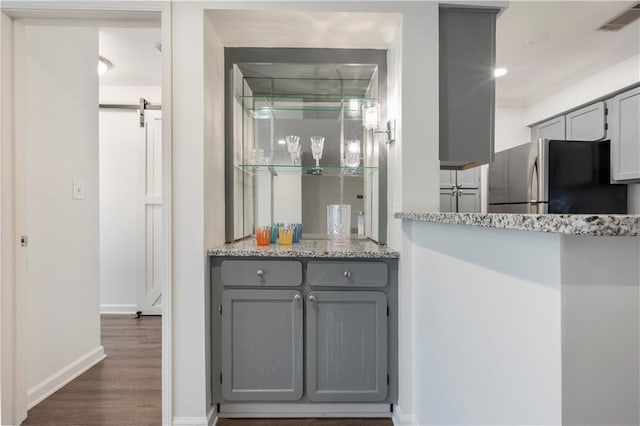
<point>130,162</point>
<point>57,207</point>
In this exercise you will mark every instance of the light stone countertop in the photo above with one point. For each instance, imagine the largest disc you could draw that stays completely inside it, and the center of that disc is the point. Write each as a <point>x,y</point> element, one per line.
<point>568,224</point>
<point>355,249</point>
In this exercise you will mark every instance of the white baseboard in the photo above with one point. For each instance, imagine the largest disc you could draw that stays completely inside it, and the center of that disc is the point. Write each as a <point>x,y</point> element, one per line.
<point>44,389</point>
<point>212,417</point>
<point>118,309</point>
<point>400,419</point>
<point>304,410</point>
<point>190,421</point>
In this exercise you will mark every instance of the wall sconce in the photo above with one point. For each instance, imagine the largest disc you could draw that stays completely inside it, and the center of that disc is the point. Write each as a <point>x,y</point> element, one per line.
<point>371,119</point>
<point>390,131</point>
<point>370,115</point>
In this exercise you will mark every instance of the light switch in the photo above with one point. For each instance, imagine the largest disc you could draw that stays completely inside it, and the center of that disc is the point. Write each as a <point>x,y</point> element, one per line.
<point>78,189</point>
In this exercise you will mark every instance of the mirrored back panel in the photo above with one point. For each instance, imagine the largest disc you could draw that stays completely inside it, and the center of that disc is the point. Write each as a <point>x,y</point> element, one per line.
<point>296,140</point>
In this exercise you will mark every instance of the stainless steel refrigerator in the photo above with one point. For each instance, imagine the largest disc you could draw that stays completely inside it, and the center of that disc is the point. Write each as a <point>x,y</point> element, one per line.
<point>555,176</point>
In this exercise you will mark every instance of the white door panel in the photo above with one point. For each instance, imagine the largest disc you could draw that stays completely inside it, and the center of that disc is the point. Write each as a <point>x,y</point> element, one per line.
<point>151,289</point>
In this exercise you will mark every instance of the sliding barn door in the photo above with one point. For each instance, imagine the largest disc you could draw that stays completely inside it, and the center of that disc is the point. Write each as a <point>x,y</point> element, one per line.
<point>150,292</point>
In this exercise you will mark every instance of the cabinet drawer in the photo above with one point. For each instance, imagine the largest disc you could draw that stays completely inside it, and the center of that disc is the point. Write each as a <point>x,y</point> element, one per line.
<point>243,273</point>
<point>347,274</point>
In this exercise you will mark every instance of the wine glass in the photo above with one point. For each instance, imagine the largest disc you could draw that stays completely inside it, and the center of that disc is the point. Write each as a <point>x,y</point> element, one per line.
<point>317,144</point>
<point>293,146</point>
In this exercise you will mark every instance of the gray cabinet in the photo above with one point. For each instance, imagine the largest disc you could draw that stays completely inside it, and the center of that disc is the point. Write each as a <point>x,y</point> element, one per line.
<point>588,123</point>
<point>460,191</point>
<point>346,336</point>
<point>347,274</point>
<point>550,129</point>
<point>469,201</point>
<point>331,338</point>
<point>262,345</point>
<point>448,201</point>
<point>467,86</point>
<point>624,128</point>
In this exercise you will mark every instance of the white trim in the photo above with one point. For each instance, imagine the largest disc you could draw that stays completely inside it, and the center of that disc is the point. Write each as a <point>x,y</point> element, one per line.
<point>20,389</point>
<point>400,419</point>
<point>190,421</point>
<point>212,418</point>
<point>118,309</point>
<point>304,410</point>
<point>166,29</point>
<point>48,386</point>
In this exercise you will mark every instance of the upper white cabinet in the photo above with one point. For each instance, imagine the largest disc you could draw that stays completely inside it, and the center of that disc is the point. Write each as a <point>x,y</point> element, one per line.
<point>588,123</point>
<point>625,135</point>
<point>550,129</point>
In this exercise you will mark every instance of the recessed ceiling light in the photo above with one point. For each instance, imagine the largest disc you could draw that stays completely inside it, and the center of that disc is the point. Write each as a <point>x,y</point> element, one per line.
<point>499,72</point>
<point>103,65</point>
<point>281,141</point>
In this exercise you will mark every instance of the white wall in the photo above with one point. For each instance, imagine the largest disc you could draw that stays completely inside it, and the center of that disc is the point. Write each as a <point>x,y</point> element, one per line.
<point>122,214</point>
<point>129,94</point>
<point>617,76</point>
<point>487,333</point>
<point>57,134</point>
<point>189,254</point>
<point>510,128</point>
<point>600,331</point>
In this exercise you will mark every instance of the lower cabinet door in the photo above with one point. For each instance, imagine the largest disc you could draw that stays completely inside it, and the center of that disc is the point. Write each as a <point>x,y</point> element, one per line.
<point>262,345</point>
<point>346,335</point>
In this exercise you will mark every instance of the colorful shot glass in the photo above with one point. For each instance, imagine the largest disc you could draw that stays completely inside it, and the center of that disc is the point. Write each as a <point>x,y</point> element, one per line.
<point>297,232</point>
<point>274,232</point>
<point>263,235</point>
<point>286,236</point>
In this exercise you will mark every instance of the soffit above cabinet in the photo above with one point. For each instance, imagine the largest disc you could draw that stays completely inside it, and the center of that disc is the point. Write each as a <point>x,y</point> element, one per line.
<point>285,28</point>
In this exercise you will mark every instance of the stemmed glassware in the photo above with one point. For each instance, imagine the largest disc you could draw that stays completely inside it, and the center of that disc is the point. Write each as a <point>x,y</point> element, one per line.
<point>293,146</point>
<point>317,145</point>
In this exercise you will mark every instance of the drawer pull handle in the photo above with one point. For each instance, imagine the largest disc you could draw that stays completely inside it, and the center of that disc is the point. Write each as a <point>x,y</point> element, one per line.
<point>347,274</point>
<point>260,272</point>
<point>297,297</point>
<point>312,298</point>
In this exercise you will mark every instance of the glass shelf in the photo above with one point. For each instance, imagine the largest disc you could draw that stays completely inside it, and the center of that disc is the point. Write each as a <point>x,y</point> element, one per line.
<point>306,170</point>
<point>305,106</point>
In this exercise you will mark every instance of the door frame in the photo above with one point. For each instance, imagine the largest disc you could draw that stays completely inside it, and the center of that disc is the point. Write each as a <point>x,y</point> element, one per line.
<point>85,13</point>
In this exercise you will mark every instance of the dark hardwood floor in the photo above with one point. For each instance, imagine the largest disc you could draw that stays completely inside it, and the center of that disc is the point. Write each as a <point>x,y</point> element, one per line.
<point>124,389</point>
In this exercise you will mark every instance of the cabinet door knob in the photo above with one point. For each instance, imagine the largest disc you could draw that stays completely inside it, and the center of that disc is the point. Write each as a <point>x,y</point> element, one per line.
<point>312,298</point>
<point>347,274</point>
<point>297,297</point>
<point>260,272</point>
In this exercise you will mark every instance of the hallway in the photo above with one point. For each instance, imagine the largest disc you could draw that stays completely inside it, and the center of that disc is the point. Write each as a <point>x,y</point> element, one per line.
<point>124,389</point>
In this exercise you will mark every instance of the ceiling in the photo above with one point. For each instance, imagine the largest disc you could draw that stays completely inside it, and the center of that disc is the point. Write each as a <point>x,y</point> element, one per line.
<point>275,28</point>
<point>546,45</point>
<point>135,59</point>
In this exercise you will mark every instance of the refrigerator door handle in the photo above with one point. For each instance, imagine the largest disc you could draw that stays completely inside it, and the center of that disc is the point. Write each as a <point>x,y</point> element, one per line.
<point>533,179</point>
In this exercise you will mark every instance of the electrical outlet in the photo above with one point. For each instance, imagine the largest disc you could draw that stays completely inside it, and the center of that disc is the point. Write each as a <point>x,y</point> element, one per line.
<point>78,189</point>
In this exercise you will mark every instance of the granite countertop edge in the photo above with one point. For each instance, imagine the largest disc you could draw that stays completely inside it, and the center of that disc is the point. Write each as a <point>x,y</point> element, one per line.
<point>356,249</point>
<point>566,224</point>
